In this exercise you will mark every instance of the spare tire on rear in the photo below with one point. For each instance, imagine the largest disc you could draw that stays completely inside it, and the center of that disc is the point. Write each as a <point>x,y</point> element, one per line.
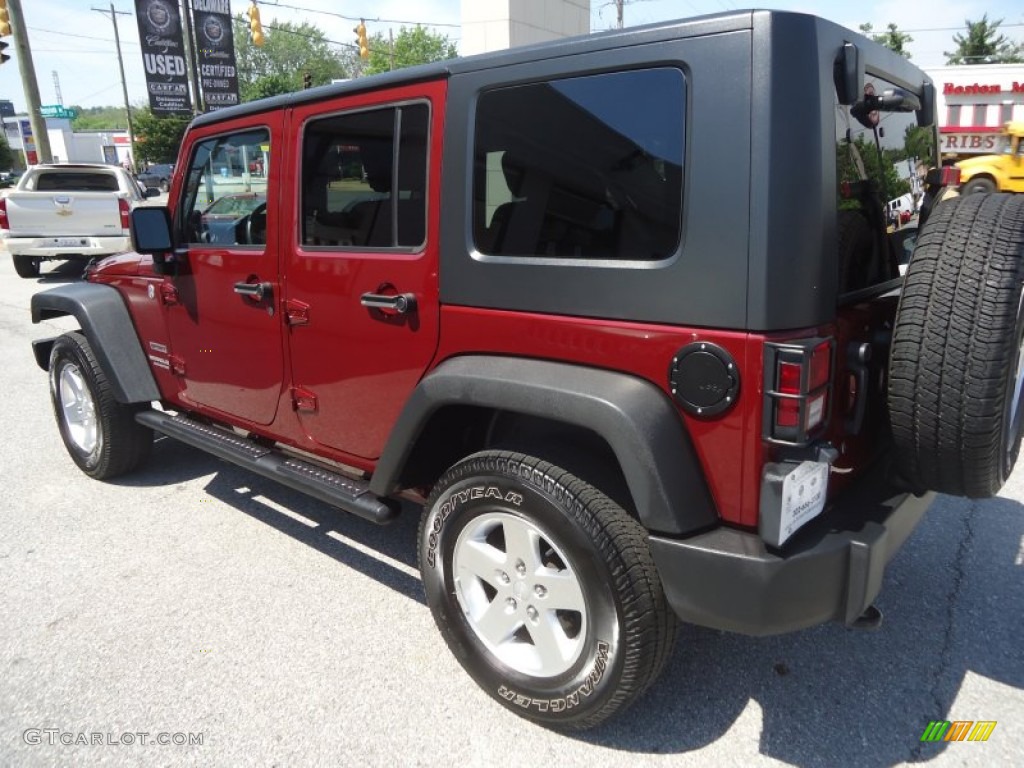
<point>955,368</point>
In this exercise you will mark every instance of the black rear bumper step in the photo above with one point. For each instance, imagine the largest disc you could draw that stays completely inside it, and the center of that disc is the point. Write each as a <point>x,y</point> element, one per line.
<point>333,488</point>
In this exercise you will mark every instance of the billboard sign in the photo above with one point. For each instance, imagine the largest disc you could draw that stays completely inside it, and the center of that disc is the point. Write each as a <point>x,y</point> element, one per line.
<point>163,56</point>
<point>215,53</point>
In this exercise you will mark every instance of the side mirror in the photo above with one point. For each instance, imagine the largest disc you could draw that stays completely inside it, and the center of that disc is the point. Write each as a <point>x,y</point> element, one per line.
<point>151,231</point>
<point>897,100</point>
<point>892,100</point>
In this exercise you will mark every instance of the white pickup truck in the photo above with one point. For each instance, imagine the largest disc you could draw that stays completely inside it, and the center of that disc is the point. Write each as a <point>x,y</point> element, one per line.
<point>68,211</point>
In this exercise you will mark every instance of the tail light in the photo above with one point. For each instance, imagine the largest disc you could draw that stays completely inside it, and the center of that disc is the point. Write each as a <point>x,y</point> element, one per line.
<point>798,376</point>
<point>3,213</point>
<point>122,205</point>
<point>945,176</point>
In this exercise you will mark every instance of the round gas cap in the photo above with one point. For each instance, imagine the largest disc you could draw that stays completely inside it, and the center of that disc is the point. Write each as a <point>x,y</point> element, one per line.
<point>704,379</point>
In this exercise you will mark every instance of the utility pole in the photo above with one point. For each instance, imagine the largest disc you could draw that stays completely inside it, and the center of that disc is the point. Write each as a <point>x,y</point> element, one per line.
<point>28,81</point>
<point>56,87</point>
<point>191,57</point>
<point>391,47</point>
<point>120,65</point>
<point>618,11</point>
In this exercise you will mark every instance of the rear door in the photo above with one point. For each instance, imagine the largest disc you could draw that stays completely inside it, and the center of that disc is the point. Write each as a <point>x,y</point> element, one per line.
<point>361,303</point>
<point>222,319</point>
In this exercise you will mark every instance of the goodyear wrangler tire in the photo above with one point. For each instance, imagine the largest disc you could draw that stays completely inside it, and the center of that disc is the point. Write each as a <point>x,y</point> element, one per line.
<point>543,588</point>
<point>99,433</point>
<point>956,370</point>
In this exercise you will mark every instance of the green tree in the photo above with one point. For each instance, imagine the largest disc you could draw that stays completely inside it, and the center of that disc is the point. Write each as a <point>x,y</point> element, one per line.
<point>919,143</point>
<point>288,51</point>
<point>892,38</point>
<point>984,45</point>
<point>157,138</point>
<point>101,119</point>
<point>417,45</point>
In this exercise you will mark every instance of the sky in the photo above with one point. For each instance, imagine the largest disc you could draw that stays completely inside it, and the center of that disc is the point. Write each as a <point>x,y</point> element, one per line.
<point>75,45</point>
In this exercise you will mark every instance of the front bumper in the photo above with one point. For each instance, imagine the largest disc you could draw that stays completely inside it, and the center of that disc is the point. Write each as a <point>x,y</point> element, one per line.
<point>831,570</point>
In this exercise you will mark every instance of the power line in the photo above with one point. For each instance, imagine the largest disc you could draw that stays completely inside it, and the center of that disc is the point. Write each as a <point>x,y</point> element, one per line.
<point>84,37</point>
<point>357,18</point>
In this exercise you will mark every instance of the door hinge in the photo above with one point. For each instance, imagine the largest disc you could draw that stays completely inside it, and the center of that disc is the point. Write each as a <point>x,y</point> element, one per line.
<point>177,365</point>
<point>303,400</point>
<point>296,312</point>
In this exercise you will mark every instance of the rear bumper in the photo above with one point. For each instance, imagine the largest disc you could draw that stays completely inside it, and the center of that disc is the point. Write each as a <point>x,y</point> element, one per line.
<point>47,247</point>
<point>831,570</point>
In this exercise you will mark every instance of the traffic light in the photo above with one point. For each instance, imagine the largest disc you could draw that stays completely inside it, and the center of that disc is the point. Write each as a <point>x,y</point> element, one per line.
<point>307,80</point>
<point>5,23</point>
<point>364,46</point>
<point>255,28</point>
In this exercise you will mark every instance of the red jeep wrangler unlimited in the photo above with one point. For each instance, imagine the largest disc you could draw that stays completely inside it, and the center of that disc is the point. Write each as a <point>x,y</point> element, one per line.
<point>620,311</point>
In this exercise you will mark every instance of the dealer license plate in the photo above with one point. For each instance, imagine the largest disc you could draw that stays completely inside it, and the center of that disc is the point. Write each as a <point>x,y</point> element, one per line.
<point>803,496</point>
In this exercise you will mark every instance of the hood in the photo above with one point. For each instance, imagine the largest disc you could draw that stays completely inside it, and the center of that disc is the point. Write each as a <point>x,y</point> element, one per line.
<point>972,164</point>
<point>115,266</point>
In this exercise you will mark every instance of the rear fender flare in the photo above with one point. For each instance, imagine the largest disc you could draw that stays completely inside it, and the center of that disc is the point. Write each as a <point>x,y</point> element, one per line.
<point>635,418</point>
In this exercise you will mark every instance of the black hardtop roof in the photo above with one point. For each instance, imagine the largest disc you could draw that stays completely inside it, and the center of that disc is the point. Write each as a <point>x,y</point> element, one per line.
<point>596,42</point>
<point>718,23</point>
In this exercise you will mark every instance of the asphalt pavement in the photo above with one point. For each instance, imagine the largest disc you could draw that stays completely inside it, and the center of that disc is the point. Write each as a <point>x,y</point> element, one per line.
<point>192,602</point>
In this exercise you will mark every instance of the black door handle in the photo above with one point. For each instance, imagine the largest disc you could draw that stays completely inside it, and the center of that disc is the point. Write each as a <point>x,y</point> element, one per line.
<point>257,291</point>
<point>399,303</point>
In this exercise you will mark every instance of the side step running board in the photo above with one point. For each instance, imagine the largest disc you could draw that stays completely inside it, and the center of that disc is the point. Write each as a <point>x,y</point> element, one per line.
<point>330,487</point>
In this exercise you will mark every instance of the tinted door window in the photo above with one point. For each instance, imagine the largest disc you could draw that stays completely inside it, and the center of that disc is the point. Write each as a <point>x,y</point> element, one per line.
<point>583,167</point>
<point>226,190</point>
<point>360,187</point>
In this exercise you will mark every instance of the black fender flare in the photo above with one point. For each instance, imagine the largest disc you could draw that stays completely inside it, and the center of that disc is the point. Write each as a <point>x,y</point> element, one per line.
<point>635,418</point>
<point>104,318</point>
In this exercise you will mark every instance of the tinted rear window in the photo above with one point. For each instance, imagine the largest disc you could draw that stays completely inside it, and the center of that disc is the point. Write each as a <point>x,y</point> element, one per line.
<point>881,158</point>
<point>581,168</point>
<point>76,182</point>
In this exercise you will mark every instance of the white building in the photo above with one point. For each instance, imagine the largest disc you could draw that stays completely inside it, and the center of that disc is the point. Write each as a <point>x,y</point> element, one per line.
<point>66,145</point>
<point>974,102</point>
<point>493,25</point>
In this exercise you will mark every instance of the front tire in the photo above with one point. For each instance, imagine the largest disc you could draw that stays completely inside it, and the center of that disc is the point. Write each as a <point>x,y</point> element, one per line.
<point>544,589</point>
<point>99,433</point>
<point>980,185</point>
<point>26,266</point>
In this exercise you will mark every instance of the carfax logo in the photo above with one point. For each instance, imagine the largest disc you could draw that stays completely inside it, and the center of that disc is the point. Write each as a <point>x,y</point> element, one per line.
<point>958,730</point>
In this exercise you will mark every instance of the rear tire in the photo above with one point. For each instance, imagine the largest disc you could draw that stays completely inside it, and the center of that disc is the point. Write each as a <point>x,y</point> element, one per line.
<point>956,373</point>
<point>26,266</point>
<point>99,433</point>
<point>544,589</point>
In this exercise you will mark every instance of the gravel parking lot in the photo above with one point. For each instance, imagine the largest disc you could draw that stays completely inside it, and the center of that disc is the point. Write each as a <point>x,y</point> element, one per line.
<point>194,599</point>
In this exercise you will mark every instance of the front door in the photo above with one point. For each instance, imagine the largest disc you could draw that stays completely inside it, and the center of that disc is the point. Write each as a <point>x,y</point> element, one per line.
<point>222,314</point>
<point>361,302</point>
